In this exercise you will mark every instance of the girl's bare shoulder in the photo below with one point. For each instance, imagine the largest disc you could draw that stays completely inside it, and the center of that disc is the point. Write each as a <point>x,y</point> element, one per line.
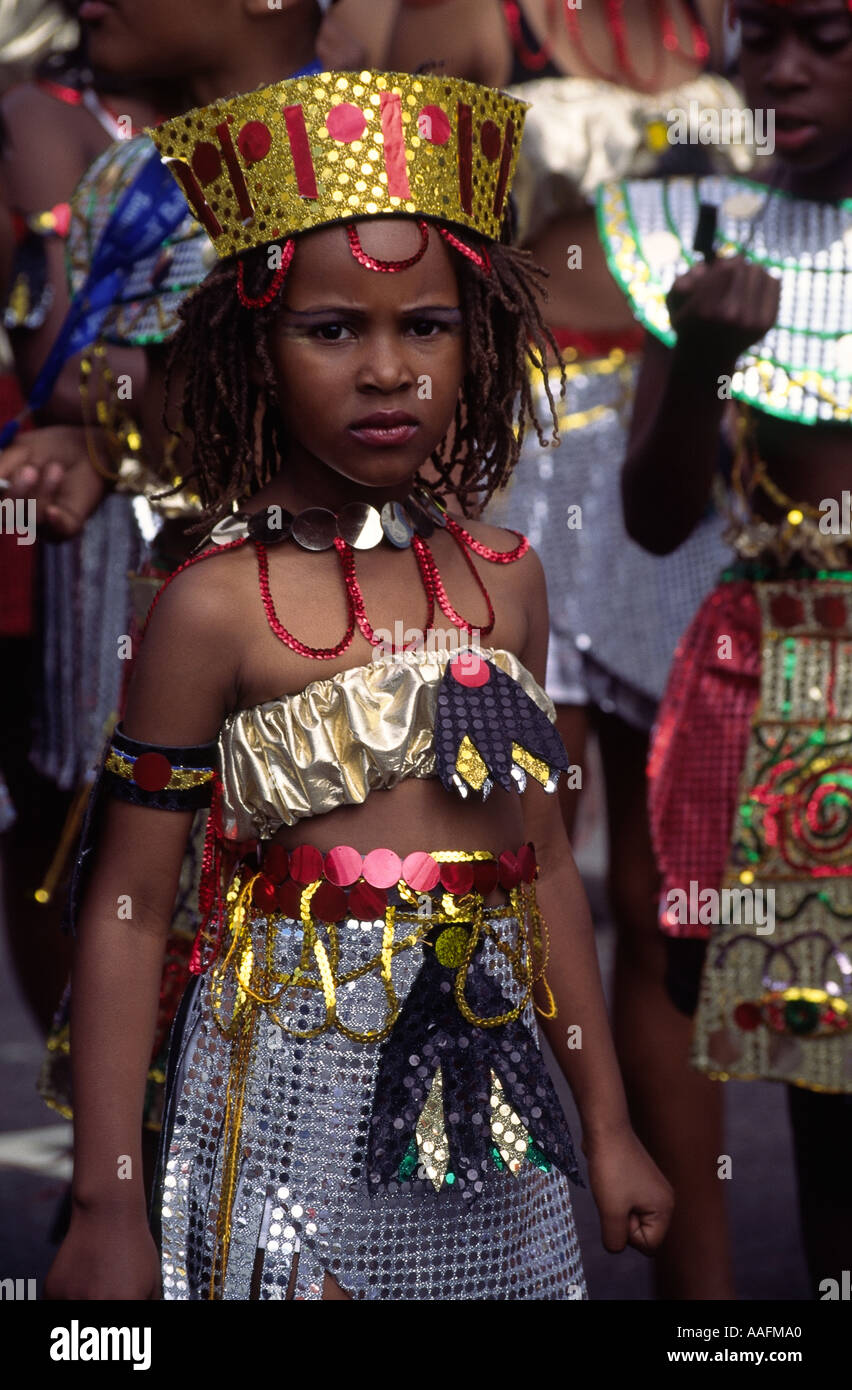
<point>187,668</point>
<point>207,593</point>
<point>497,538</point>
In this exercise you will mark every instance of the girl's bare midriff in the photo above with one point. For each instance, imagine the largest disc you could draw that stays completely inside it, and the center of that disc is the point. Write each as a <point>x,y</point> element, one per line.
<point>418,814</point>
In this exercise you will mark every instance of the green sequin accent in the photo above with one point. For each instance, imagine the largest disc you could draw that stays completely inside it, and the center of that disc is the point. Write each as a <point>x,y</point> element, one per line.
<point>498,1158</point>
<point>801,1015</point>
<point>408,1166</point>
<point>535,1156</point>
<point>750,569</point>
<point>450,1178</point>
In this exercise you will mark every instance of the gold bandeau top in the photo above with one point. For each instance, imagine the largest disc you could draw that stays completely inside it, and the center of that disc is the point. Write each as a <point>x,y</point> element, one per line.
<point>337,740</point>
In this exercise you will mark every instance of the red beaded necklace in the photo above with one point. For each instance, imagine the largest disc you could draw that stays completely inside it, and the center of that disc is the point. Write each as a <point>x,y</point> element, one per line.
<point>626,73</point>
<point>355,607</point>
<point>542,56</point>
<point>430,577</point>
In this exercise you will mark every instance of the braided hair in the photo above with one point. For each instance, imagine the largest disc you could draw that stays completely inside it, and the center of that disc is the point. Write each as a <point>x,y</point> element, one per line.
<point>228,410</point>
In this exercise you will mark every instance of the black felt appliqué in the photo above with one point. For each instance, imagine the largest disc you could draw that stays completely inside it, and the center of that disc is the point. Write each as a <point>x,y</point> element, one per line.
<point>493,716</point>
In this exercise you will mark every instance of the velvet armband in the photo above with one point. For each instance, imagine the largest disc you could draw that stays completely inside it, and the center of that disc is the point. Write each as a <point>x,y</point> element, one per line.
<point>144,774</point>
<point>166,779</point>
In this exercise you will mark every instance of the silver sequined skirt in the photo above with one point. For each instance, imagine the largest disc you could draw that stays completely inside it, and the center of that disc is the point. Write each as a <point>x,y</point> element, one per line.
<point>616,611</point>
<point>304,1203</point>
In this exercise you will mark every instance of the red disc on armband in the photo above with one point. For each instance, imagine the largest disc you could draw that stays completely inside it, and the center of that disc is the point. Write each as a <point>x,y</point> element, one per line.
<point>526,863</point>
<point>305,864</point>
<point>263,893</point>
<point>343,865</point>
<point>288,899</point>
<point>510,869</point>
<point>366,902</point>
<point>457,878</point>
<point>152,772</point>
<point>328,903</point>
<point>486,874</point>
<point>276,863</point>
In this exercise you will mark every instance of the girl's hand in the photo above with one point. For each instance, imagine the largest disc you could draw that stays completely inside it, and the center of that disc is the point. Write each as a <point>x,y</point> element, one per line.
<point>51,466</point>
<point>633,1199</point>
<point>76,496</point>
<point>719,310</point>
<point>106,1255</point>
<point>37,459</point>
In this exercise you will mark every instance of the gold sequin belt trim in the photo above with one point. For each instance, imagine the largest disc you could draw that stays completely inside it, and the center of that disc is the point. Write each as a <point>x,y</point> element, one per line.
<point>245,978</point>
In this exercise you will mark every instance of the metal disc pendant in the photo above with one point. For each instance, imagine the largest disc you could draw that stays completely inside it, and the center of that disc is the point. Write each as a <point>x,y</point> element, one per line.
<point>434,509</point>
<point>360,525</point>
<point>271,525</point>
<point>397,525</point>
<point>230,528</point>
<point>315,528</point>
<point>423,524</point>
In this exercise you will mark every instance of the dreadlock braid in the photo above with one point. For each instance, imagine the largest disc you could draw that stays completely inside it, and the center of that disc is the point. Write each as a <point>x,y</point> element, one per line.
<point>505,330</point>
<point>229,388</point>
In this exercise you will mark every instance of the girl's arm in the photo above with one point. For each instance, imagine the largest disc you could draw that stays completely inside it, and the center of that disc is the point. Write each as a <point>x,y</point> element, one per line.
<point>49,146</point>
<point>633,1198</point>
<point>718,311</point>
<point>178,697</point>
<point>464,38</point>
<point>713,15</point>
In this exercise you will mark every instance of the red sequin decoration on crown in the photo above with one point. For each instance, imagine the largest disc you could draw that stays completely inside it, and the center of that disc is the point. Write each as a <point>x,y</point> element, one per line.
<point>388,267</point>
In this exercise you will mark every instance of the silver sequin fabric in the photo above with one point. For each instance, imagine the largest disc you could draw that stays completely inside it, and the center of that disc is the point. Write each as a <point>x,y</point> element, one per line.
<point>304,1195</point>
<point>86,611</point>
<point>616,611</point>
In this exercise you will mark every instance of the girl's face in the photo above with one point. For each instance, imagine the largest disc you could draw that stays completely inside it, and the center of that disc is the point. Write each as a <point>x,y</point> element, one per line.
<point>797,60</point>
<point>368,364</point>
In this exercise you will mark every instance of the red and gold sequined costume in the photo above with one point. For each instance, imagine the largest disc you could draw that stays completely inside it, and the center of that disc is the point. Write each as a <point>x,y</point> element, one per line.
<point>356,1086</point>
<point>751,763</point>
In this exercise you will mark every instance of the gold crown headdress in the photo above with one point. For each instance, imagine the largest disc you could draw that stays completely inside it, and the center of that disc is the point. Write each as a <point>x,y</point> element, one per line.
<point>339,146</point>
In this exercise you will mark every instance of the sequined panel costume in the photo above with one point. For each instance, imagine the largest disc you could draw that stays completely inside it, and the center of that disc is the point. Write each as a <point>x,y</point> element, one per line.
<point>776,993</point>
<point>749,785</point>
<point>800,370</point>
<point>602,587</point>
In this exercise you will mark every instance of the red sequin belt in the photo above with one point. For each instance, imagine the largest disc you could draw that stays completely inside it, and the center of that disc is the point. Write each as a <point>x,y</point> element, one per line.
<point>356,885</point>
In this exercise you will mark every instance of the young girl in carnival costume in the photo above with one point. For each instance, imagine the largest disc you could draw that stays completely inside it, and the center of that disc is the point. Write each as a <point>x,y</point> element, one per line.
<point>750,765</point>
<point>358,1106</point>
